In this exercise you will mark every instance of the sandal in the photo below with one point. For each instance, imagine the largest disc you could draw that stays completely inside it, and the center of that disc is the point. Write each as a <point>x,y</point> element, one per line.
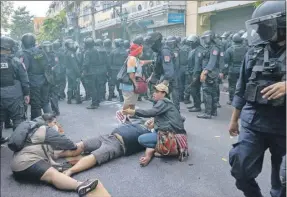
<point>87,186</point>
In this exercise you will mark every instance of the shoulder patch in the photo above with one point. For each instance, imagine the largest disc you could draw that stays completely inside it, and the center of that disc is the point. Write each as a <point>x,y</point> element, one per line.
<point>214,52</point>
<point>166,58</point>
<point>4,65</point>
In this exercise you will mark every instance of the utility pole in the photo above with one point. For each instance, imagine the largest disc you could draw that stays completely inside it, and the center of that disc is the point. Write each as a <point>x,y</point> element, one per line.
<point>93,11</point>
<point>76,27</point>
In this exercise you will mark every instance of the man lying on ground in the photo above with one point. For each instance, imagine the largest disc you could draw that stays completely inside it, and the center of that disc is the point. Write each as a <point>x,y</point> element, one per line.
<point>166,119</point>
<point>32,155</point>
<point>122,141</point>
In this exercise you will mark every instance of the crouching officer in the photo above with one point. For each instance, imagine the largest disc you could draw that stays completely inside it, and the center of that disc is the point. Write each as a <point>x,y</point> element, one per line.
<point>14,86</point>
<point>260,101</point>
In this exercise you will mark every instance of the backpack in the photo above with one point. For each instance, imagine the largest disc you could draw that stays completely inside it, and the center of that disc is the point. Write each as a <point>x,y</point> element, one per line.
<point>18,139</point>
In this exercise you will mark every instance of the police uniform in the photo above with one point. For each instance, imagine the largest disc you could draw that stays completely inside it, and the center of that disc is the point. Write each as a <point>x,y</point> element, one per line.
<point>118,56</point>
<point>36,64</point>
<point>210,62</point>
<point>183,62</point>
<point>233,59</point>
<point>195,68</point>
<point>263,122</point>
<point>73,73</point>
<point>61,72</point>
<point>14,85</point>
<point>165,68</point>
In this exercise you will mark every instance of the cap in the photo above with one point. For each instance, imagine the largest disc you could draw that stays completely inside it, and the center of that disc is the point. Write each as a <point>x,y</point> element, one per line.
<point>161,87</point>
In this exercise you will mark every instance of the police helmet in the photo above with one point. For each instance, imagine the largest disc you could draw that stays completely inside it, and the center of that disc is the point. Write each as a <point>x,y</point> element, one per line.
<point>208,36</point>
<point>155,40</point>
<point>56,45</point>
<point>98,42</point>
<point>89,42</point>
<point>7,43</point>
<point>178,39</point>
<point>117,42</point>
<point>107,42</point>
<point>237,38</point>
<point>225,34</point>
<point>70,44</point>
<point>183,41</point>
<point>127,44</point>
<point>192,39</point>
<point>46,46</point>
<point>268,21</point>
<point>138,40</point>
<point>28,40</point>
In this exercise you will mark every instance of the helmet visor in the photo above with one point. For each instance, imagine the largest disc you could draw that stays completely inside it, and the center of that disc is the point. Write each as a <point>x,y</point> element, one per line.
<point>262,29</point>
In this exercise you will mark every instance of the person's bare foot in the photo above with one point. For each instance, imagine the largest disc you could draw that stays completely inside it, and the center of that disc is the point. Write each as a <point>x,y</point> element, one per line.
<point>144,161</point>
<point>68,173</point>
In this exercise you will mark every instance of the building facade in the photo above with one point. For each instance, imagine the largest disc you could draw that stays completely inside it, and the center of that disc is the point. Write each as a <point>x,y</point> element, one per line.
<point>219,16</point>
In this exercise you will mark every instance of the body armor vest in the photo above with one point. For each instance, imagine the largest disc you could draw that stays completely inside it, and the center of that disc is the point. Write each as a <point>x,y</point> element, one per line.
<point>7,72</point>
<point>265,72</point>
<point>183,55</point>
<point>238,53</point>
<point>37,61</point>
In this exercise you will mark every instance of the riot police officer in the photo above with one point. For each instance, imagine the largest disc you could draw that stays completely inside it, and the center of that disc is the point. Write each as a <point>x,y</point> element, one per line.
<point>209,75</point>
<point>183,63</point>
<point>73,72</point>
<point>108,47</point>
<point>233,59</point>
<point>14,86</point>
<point>260,101</point>
<point>36,64</point>
<point>164,65</point>
<point>92,69</point>
<point>118,57</point>
<point>194,69</point>
<point>103,68</point>
<point>47,47</point>
<point>60,70</point>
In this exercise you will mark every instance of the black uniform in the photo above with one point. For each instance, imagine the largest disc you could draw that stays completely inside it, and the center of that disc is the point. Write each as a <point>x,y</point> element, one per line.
<point>210,63</point>
<point>36,64</point>
<point>183,63</point>
<point>233,59</point>
<point>14,85</point>
<point>263,122</point>
<point>73,73</point>
<point>118,56</point>
<point>60,71</point>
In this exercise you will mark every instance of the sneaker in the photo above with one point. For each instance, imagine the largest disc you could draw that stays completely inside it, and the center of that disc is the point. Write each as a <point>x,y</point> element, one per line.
<point>8,125</point>
<point>87,186</point>
<point>195,109</point>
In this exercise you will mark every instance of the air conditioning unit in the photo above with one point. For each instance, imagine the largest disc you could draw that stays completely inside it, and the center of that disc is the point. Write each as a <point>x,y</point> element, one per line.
<point>151,4</point>
<point>139,7</point>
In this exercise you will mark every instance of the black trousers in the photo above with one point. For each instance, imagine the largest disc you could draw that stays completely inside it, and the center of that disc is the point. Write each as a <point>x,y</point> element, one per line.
<point>114,83</point>
<point>12,108</point>
<point>246,160</point>
<point>73,88</point>
<point>232,80</point>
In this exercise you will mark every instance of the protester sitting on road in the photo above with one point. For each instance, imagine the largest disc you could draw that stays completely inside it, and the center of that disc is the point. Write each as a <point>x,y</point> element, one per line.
<point>122,141</point>
<point>33,162</point>
<point>166,119</point>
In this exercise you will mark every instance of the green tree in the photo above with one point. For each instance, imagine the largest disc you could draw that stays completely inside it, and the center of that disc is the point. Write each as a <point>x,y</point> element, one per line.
<point>21,23</point>
<point>6,10</point>
<point>52,27</point>
<point>257,3</point>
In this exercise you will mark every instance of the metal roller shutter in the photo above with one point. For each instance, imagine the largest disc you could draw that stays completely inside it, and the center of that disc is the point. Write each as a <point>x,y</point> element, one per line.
<point>172,30</point>
<point>230,20</point>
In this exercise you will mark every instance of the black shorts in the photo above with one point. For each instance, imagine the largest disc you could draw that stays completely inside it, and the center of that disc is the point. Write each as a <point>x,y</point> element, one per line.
<point>34,172</point>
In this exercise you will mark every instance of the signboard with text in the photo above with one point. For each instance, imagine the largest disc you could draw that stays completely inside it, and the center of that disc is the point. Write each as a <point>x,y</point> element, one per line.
<point>177,18</point>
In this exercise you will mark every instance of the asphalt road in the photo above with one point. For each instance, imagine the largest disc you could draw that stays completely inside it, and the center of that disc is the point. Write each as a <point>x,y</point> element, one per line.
<point>206,173</point>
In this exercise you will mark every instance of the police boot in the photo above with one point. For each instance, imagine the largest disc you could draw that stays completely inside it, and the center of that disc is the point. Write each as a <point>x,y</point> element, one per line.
<point>110,98</point>
<point>218,105</point>
<point>195,109</point>
<point>139,98</point>
<point>214,113</point>
<point>187,100</point>
<point>204,116</point>
<point>92,107</point>
<point>8,124</point>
